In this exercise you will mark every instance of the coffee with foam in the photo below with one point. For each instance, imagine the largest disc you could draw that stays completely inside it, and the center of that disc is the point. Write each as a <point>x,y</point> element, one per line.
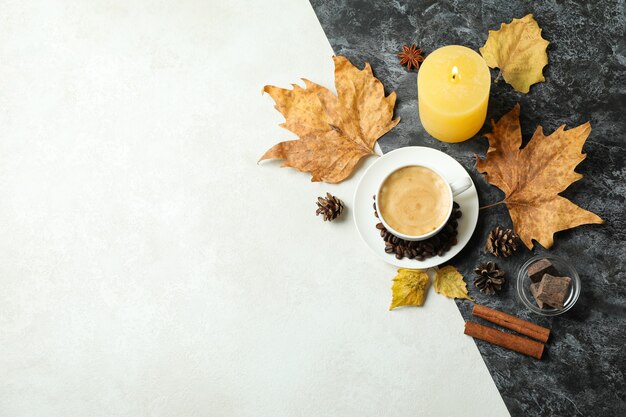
<point>414,200</point>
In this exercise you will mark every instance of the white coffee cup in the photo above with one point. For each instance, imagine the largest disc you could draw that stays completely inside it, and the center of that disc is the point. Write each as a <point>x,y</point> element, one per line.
<point>454,188</point>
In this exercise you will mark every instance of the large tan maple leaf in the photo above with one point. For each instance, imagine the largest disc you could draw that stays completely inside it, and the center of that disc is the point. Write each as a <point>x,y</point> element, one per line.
<point>335,131</point>
<point>532,178</point>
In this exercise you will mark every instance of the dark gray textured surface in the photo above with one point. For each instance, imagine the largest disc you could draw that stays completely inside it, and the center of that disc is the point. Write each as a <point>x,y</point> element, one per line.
<point>583,370</point>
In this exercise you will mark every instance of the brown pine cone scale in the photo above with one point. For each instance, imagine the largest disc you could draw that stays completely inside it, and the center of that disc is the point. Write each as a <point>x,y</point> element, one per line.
<point>330,207</point>
<point>489,278</point>
<point>501,242</point>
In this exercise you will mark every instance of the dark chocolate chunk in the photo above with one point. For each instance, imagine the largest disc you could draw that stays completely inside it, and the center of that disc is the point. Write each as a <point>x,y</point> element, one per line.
<point>534,290</point>
<point>553,290</point>
<point>537,270</point>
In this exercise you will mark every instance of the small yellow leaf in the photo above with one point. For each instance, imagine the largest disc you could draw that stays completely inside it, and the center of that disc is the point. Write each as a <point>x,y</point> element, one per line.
<point>449,282</point>
<point>409,288</point>
<point>519,51</point>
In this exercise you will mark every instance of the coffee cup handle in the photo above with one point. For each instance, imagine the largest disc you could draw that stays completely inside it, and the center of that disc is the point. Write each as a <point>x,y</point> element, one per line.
<point>461,185</point>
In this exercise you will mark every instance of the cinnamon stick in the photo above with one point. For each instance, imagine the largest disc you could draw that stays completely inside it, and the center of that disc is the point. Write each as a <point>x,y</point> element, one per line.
<point>511,322</point>
<point>506,340</point>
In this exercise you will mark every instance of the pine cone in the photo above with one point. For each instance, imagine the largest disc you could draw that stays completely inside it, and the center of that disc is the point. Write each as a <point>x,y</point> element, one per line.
<point>501,242</point>
<point>330,207</point>
<point>489,278</point>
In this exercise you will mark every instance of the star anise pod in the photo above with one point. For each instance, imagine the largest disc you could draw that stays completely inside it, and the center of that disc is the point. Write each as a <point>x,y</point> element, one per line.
<point>411,56</point>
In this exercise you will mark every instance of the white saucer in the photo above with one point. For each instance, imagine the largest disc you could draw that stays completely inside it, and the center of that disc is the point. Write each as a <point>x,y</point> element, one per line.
<point>368,185</point>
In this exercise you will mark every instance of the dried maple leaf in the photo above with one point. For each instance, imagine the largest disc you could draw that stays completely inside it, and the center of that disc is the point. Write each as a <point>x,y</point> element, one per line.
<point>519,51</point>
<point>531,178</point>
<point>409,288</point>
<point>335,131</point>
<point>449,282</point>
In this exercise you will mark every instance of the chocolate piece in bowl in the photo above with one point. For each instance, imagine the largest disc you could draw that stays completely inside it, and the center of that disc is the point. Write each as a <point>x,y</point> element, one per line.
<point>553,290</point>
<point>537,270</point>
<point>534,290</point>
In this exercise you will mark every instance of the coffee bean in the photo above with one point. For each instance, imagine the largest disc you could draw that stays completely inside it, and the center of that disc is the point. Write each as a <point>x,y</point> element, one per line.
<point>458,214</point>
<point>455,205</point>
<point>437,245</point>
<point>374,205</point>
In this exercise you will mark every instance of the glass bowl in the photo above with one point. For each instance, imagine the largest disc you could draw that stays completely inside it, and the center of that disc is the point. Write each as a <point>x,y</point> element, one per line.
<point>561,265</point>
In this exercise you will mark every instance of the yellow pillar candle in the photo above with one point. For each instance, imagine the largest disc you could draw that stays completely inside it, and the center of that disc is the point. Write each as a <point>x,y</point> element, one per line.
<point>453,92</point>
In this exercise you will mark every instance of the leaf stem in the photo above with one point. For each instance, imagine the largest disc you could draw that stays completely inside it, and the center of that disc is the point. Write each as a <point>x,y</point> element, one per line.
<point>499,77</point>
<point>492,205</point>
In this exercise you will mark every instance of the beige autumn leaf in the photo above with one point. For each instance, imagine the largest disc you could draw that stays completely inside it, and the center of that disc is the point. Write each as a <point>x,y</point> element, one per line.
<point>409,288</point>
<point>335,131</point>
<point>449,282</point>
<point>519,51</point>
<point>532,178</point>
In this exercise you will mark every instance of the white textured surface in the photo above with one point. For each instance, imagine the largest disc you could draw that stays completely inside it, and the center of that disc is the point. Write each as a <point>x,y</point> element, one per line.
<point>149,267</point>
